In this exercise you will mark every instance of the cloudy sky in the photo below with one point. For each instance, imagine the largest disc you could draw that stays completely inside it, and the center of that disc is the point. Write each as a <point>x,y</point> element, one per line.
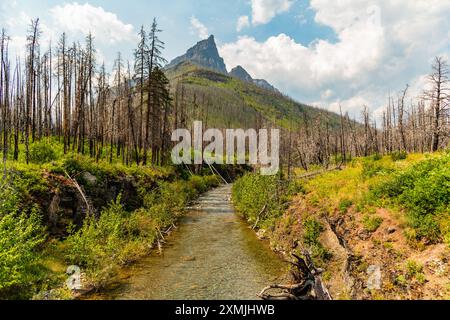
<point>322,52</point>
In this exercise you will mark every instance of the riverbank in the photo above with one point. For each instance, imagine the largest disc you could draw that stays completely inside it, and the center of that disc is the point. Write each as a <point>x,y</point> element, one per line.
<point>378,227</point>
<point>96,216</point>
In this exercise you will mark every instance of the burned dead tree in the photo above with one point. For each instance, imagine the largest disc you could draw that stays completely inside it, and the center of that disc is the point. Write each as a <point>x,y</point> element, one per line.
<point>307,281</point>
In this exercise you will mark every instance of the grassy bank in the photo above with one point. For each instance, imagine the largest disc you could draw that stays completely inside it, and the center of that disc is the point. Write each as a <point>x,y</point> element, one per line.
<point>391,211</point>
<point>70,210</point>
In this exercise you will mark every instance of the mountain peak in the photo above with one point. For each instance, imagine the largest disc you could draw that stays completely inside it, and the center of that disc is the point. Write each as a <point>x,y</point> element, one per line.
<point>240,73</point>
<point>204,54</point>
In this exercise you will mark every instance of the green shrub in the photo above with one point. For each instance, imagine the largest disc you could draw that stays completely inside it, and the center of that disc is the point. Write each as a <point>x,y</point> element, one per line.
<point>117,237</point>
<point>424,191</point>
<point>312,229</point>
<point>372,223</point>
<point>21,236</point>
<point>42,153</point>
<point>377,157</point>
<point>253,192</point>
<point>344,205</point>
<point>399,155</point>
<point>98,241</point>
<point>414,270</point>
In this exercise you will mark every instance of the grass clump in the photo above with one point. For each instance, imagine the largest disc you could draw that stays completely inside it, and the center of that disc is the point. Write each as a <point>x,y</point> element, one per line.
<point>344,205</point>
<point>413,272</point>
<point>372,223</point>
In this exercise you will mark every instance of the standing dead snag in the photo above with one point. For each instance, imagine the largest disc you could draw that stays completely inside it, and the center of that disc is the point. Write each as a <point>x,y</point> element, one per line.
<point>307,285</point>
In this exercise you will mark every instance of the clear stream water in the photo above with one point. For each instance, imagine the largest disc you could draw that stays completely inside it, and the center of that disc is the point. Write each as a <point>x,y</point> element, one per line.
<point>212,254</point>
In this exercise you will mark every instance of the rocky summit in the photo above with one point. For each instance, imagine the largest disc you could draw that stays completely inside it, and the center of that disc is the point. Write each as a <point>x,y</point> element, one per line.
<point>204,54</point>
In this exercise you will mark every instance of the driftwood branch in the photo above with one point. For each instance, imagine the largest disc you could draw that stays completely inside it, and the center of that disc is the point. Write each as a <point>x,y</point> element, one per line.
<point>309,284</point>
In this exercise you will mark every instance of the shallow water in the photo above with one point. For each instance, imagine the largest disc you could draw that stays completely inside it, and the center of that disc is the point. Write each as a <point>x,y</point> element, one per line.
<point>212,255</point>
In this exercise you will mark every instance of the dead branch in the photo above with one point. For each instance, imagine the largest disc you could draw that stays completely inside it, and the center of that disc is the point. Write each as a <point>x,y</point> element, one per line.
<point>77,186</point>
<point>309,284</point>
<point>259,216</point>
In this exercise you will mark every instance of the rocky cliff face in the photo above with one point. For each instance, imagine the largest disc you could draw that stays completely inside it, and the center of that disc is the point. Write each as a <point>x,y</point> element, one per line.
<point>204,54</point>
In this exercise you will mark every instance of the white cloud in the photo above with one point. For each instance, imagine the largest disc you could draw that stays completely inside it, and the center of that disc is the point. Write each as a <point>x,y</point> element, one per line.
<point>378,49</point>
<point>199,28</point>
<point>263,11</point>
<point>105,26</point>
<point>243,22</point>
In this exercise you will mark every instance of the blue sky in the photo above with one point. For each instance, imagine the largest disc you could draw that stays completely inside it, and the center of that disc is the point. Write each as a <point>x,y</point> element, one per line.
<point>219,16</point>
<point>323,52</point>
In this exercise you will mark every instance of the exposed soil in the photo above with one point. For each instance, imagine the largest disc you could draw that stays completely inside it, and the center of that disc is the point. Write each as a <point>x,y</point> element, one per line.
<point>356,252</point>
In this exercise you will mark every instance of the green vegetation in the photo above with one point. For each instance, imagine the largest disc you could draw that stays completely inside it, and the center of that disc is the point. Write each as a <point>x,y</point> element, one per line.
<point>118,237</point>
<point>263,198</point>
<point>399,155</point>
<point>312,231</point>
<point>238,103</point>
<point>415,190</point>
<point>21,237</point>
<point>253,193</point>
<point>424,191</point>
<point>417,185</point>
<point>41,153</point>
<point>131,207</point>
<point>371,223</point>
<point>413,271</point>
<point>344,205</point>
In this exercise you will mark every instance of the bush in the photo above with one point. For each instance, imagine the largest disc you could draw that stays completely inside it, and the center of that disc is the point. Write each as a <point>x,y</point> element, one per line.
<point>21,236</point>
<point>312,229</point>
<point>424,191</point>
<point>372,224</point>
<point>253,192</point>
<point>100,244</point>
<point>377,157</point>
<point>41,153</point>
<point>399,155</point>
<point>344,205</point>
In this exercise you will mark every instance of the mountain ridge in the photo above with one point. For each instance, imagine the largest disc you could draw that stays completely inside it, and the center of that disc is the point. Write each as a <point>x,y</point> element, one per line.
<point>205,54</point>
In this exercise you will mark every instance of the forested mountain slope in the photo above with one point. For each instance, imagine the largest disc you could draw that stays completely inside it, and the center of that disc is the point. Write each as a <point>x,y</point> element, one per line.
<point>221,100</point>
